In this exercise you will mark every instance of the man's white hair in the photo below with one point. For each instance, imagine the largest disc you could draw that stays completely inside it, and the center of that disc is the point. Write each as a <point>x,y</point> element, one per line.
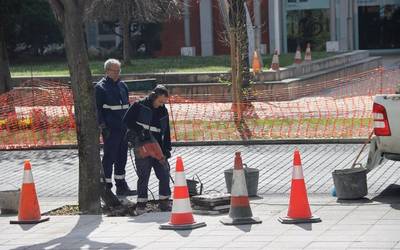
<point>110,62</point>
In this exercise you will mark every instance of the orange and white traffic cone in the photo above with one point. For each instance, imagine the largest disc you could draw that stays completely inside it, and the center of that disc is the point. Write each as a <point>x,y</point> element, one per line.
<point>182,215</point>
<point>299,208</point>
<point>29,210</point>
<point>297,56</point>
<point>275,61</point>
<point>240,212</point>
<point>307,56</point>
<point>257,68</point>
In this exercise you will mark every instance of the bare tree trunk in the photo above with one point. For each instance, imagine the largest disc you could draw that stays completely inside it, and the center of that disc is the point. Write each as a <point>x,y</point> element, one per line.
<point>70,14</point>
<point>5,77</point>
<point>126,37</point>
<point>239,62</point>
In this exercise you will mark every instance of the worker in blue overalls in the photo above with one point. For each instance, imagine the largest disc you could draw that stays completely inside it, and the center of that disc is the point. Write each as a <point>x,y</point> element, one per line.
<point>145,119</point>
<point>112,101</point>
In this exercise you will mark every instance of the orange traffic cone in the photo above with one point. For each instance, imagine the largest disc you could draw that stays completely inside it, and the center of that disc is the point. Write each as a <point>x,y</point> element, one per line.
<point>299,208</point>
<point>29,210</point>
<point>240,211</point>
<point>297,56</point>
<point>275,61</point>
<point>307,56</point>
<point>256,63</point>
<point>182,215</point>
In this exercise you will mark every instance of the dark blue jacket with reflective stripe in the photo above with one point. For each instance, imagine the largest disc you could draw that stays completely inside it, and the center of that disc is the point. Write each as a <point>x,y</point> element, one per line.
<point>141,115</point>
<point>112,101</point>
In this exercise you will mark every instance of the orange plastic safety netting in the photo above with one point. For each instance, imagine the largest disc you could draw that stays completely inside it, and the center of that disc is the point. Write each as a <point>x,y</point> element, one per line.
<point>40,113</point>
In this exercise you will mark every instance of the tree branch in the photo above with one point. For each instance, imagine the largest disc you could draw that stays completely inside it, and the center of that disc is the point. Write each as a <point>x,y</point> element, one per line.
<point>58,10</point>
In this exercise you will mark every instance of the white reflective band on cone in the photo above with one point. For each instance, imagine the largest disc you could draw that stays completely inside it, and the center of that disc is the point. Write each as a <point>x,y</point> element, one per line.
<point>116,107</point>
<point>297,173</point>
<point>108,180</point>
<point>119,177</point>
<point>181,206</point>
<point>28,178</point>
<point>163,197</point>
<point>180,179</point>
<point>151,128</point>
<point>239,189</point>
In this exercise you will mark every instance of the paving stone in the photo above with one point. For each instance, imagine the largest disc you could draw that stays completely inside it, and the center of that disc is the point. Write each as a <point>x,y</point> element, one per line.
<point>163,245</point>
<point>287,244</point>
<point>329,245</point>
<point>206,243</point>
<point>246,245</point>
<point>373,244</point>
<point>380,235</point>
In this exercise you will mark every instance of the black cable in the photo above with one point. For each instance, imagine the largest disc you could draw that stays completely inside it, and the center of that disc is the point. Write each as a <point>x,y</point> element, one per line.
<point>134,167</point>
<point>169,171</point>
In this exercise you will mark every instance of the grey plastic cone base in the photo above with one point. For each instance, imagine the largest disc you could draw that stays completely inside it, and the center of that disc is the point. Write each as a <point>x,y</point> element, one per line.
<point>241,221</point>
<point>29,221</point>
<point>195,225</point>
<point>288,220</point>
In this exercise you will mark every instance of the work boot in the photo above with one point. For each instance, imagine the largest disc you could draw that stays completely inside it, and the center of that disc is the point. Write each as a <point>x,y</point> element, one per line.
<point>124,190</point>
<point>140,208</point>
<point>165,205</point>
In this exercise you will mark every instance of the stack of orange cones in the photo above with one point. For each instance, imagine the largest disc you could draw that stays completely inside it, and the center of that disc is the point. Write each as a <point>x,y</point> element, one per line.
<point>29,210</point>
<point>257,68</point>
<point>240,212</point>
<point>297,56</point>
<point>275,61</point>
<point>299,208</point>
<point>182,215</point>
<point>307,56</point>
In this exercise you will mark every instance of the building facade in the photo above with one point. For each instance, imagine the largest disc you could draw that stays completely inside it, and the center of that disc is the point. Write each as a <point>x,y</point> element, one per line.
<point>339,25</point>
<point>352,24</point>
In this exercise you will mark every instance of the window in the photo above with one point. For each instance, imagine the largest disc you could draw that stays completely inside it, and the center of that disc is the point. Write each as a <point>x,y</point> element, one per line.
<point>379,26</point>
<point>307,26</point>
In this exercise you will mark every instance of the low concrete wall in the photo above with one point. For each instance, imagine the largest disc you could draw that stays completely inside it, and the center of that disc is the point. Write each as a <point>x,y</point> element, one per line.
<point>215,77</point>
<point>208,85</point>
<point>284,90</point>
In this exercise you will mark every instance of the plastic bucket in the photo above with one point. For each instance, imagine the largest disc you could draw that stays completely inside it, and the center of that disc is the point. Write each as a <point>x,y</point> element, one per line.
<point>350,183</point>
<point>251,175</point>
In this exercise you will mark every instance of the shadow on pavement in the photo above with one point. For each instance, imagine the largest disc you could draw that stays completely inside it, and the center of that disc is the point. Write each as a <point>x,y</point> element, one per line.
<point>354,202</point>
<point>184,233</point>
<point>244,228</point>
<point>157,217</point>
<point>305,226</point>
<point>391,195</point>
<point>78,237</point>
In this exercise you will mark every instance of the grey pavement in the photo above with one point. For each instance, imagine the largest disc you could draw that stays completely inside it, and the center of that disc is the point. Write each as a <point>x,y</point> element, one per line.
<point>344,226</point>
<point>56,171</point>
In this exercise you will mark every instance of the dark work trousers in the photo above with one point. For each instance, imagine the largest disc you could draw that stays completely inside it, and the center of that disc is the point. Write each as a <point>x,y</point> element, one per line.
<point>115,154</point>
<point>144,167</point>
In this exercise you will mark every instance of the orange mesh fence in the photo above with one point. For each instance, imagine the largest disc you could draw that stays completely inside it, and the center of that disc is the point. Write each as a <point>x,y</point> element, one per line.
<point>40,113</point>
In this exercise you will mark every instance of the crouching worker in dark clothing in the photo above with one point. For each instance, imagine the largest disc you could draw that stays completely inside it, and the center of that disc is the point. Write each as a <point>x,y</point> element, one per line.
<point>147,121</point>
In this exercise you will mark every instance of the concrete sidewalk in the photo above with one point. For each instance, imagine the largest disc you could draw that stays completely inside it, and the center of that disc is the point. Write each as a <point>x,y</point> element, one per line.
<point>371,225</point>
